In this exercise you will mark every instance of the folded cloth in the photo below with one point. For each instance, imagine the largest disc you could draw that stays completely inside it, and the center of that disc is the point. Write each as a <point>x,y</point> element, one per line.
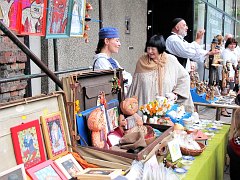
<point>132,140</point>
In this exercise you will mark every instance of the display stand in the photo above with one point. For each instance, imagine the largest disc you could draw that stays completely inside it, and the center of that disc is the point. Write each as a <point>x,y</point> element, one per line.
<point>201,97</point>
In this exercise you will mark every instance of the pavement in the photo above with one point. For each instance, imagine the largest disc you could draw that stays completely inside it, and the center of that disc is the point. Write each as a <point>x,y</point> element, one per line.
<point>210,114</point>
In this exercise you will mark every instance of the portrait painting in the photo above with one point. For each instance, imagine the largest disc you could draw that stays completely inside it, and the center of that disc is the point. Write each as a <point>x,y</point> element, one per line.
<point>78,18</point>
<point>10,10</point>
<point>59,18</point>
<point>28,144</point>
<point>69,166</point>
<point>14,173</point>
<point>46,170</point>
<point>33,17</point>
<point>112,116</point>
<point>54,135</point>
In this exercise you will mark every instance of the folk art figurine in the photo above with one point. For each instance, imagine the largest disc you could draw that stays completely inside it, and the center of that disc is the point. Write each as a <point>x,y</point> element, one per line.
<point>98,126</point>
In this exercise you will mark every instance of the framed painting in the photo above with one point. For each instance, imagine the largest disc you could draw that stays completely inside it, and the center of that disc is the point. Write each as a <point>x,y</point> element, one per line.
<point>16,172</point>
<point>78,18</point>
<point>33,17</point>
<point>46,170</point>
<point>112,117</point>
<point>11,10</point>
<point>69,166</point>
<point>54,135</point>
<point>99,173</point>
<point>59,18</point>
<point>28,144</point>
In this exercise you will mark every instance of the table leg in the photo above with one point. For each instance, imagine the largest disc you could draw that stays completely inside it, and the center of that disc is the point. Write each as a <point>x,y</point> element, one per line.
<point>218,113</point>
<point>196,108</point>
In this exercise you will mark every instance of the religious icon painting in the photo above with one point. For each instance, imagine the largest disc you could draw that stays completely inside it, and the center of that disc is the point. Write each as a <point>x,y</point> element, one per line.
<point>16,172</point>
<point>46,170</point>
<point>112,116</point>
<point>33,17</point>
<point>69,166</point>
<point>59,18</point>
<point>10,10</point>
<point>28,144</point>
<point>78,18</point>
<point>54,135</point>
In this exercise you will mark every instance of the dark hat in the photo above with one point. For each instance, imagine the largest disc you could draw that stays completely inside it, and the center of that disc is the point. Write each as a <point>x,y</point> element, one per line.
<point>175,22</point>
<point>215,40</point>
<point>108,32</point>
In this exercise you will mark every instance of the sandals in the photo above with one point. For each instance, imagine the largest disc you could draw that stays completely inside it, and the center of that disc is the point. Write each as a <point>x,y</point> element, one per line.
<point>225,114</point>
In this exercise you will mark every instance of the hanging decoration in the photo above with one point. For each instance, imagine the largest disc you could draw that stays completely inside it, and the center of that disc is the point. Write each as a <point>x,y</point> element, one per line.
<point>59,18</point>
<point>11,14</point>
<point>87,19</point>
<point>33,17</point>
<point>78,18</point>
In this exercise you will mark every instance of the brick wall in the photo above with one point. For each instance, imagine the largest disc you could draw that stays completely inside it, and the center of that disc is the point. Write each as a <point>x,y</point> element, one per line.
<point>12,64</point>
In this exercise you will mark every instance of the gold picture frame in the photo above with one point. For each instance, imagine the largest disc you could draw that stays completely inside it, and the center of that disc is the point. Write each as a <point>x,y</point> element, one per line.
<point>54,135</point>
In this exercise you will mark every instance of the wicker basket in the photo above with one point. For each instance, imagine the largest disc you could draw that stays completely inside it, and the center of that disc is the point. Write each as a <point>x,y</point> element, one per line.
<point>191,152</point>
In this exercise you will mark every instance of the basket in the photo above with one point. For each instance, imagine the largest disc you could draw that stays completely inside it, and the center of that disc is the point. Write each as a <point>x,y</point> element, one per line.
<point>191,152</point>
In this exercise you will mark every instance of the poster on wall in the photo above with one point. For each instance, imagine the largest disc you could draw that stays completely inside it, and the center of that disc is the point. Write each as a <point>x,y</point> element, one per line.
<point>59,18</point>
<point>78,18</point>
<point>11,13</point>
<point>33,17</point>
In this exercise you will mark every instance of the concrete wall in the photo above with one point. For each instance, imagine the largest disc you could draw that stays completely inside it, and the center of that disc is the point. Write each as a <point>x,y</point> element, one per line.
<point>74,52</point>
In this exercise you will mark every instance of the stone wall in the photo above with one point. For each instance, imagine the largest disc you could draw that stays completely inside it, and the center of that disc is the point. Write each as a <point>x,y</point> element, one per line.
<point>12,64</point>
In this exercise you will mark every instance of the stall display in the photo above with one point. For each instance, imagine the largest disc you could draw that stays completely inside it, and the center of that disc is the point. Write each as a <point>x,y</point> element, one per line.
<point>54,135</point>
<point>16,172</point>
<point>28,144</point>
<point>46,170</point>
<point>69,166</point>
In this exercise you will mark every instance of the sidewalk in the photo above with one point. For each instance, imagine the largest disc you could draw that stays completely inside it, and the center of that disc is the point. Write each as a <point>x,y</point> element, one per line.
<point>210,113</point>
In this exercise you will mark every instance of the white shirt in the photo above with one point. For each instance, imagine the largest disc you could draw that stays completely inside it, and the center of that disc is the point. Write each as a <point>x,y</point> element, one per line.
<point>230,56</point>
<point>103,63</point>
<point>176,45</point>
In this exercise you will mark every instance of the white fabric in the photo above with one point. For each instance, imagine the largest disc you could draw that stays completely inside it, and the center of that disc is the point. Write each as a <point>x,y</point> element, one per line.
<point>103,63</point>
<point>230,56</point>
<point>176,79</point>
<point>177,46</point>
<point>237,50</point>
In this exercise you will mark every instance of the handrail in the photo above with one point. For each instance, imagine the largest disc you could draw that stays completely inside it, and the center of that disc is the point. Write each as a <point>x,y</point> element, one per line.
<point>31,76</point>
<point>30,54</point>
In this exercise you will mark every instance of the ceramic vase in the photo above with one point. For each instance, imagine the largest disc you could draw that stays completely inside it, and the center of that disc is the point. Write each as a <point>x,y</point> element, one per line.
<point>151,120</point>
<point>155,119</point>
<point>144,118</point>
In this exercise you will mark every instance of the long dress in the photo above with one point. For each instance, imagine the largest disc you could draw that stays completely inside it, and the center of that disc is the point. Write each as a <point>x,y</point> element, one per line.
<point>174,79</point>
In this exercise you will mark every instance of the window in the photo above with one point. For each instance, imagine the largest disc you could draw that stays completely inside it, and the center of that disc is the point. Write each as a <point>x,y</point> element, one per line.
<point>214,25</point>
<point>229,7</point>
<point>220,4</point>
<point>228,25</point>
<point>213,2</point>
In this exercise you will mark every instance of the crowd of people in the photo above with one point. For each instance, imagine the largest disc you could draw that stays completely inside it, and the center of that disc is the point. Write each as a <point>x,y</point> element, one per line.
<point>165,65</point>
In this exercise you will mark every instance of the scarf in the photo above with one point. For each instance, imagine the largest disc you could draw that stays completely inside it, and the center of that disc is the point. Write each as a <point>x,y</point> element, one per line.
<point>145,64</point>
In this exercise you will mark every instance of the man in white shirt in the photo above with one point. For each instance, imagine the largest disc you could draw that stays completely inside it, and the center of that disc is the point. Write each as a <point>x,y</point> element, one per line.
<point>183,50</point>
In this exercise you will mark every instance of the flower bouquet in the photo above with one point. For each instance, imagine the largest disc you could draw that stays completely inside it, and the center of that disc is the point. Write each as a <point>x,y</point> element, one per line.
<point>155,109</point>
